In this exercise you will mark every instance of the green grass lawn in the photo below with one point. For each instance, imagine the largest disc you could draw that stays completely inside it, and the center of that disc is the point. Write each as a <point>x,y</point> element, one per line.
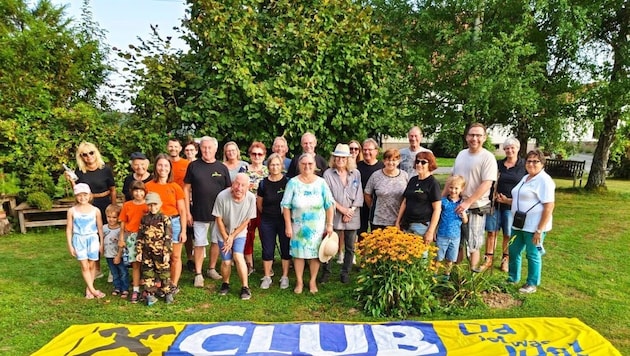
<point>586,275</point>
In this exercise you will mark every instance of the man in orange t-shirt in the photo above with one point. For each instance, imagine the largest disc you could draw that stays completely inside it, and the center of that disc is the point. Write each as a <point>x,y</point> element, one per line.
<point>179,164</point>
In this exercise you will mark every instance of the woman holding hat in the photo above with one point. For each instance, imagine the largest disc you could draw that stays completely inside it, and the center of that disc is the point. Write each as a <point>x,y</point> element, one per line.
<point>308,208</point>
<point>139,165</point>
<point>344,181</point>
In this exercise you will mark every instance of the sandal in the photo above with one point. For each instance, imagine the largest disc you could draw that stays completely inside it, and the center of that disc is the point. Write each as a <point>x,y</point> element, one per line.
<point>99,294</point>
<point>116,292</point>
<point>124,294</point>
<point>89,295</point>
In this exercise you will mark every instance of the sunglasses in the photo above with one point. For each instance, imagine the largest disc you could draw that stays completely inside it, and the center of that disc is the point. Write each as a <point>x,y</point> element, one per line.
<point>422,161</point>
<point>85,154</point>
<point>354,148</point>
<point>257,154</point>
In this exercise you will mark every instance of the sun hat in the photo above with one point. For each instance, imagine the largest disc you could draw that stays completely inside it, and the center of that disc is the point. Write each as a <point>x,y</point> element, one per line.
<point>153,198</point>
<point>329,246</point>
<point>81,188</point>
<point>342,150</point>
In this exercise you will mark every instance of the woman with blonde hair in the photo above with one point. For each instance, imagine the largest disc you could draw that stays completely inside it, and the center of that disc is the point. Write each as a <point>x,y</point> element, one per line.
<point>232,159</point>
<point>99,177</point>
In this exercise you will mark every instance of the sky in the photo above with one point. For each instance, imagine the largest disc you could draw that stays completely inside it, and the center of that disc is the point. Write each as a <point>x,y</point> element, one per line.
<point>125,20</point>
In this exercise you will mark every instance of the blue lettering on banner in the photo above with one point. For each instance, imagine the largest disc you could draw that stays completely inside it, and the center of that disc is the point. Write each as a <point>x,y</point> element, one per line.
<point>247,338</point>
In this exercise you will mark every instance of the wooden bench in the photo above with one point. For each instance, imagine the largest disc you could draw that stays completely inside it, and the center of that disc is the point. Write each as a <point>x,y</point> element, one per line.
<point>558,168</point>
<point>32,217</point>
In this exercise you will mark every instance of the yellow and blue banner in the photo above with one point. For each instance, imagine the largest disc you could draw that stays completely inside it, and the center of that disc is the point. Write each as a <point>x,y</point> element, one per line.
<point>517,337</point>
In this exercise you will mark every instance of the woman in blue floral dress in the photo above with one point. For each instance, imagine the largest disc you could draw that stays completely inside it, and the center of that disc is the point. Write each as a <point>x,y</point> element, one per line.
<point>308,208</point>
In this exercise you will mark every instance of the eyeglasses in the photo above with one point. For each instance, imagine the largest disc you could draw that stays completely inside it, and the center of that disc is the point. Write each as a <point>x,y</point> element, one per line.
<point>422,161</point>
<point>85,154</point>
<point>532,161</point>
<point>257,154</point>
<point>354,148</point>
<point>369,149</point>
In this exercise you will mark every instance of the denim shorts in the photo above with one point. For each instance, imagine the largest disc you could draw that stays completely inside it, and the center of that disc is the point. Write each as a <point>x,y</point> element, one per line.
<point>448,247</point>
<point>500,220</point>
<point>238,246</point>
<point>418,229</point>
<point>176,225</point>
<point>86,247</point>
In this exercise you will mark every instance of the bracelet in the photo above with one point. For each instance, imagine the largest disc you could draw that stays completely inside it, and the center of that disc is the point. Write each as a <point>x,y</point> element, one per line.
<point>328,224</point>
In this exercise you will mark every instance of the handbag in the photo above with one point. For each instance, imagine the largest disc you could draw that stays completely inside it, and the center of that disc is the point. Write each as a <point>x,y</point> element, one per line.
<point>520,216</point>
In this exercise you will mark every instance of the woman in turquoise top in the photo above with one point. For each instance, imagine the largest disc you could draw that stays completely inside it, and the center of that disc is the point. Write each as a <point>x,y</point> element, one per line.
<point>308,208</point>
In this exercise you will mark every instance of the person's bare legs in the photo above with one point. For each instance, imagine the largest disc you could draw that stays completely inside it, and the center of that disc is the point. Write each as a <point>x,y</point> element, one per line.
<point>241,268</point>
<point>285,268</point>
<point>176,263</point>
<point>491,241</point>
<point>313,265</point>
<point>198,255</point>
<point>135,274</point>
<point>298,266</point>
<point>214,256</point>
<point>88,270</point>
<point>267,266</point>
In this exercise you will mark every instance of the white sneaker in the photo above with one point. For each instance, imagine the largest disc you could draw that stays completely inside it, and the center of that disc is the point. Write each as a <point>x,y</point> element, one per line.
<point>266,283</point>
<point>198,283</point>
<point>110,278</point>
<point>340,259</point>
<point>527,289</point>
<point>212,273</point>
<point>354,260</point>
<point>284,282</point>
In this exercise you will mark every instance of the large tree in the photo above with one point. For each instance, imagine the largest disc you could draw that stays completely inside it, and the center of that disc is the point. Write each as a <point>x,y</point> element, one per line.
<point>607,50</point>
<point>267,68</point>
<point>496,62</point>
<point>51,69</point>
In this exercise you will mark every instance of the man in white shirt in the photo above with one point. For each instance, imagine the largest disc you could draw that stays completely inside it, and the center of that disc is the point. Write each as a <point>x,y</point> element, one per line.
<point>408,154</point>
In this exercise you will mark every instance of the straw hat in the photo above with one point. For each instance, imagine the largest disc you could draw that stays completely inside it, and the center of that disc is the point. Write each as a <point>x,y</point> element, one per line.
<point>328,248</point>
<point>342,150</point>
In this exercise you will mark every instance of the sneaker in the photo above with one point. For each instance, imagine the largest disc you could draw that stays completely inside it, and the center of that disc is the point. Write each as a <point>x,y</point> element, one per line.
<point>99,275</point>
<point>225,288</point>
<point>284,282</point>
<point>505,263</point>
<point>246,294</point>
<point>151,299</point>
<point>250,270</point>
<point>169,298</point>
<point>354,260</point>
<point>190,266</point>
<point>340,259</point>
<point>212,273</point>
<point>527,289</point>
<point>174,289</point>
<point>198,283</point>
<point>134,297</point>
<point>110,278</point>
<point>266,282</point>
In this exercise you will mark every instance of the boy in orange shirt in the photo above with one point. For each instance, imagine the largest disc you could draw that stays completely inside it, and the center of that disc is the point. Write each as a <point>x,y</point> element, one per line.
<point>130,216</point>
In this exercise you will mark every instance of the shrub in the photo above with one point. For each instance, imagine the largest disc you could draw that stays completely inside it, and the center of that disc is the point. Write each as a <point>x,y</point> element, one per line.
<point>465,289</point>
<point>39,200</point>
<point>397,274</point>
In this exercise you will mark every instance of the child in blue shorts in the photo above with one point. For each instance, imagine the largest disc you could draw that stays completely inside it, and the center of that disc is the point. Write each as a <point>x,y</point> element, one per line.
<point>84,232</point>
<point>449,229</point>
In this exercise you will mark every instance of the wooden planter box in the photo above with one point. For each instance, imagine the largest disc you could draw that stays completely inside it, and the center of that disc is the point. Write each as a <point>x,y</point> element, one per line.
<point>32,217</point>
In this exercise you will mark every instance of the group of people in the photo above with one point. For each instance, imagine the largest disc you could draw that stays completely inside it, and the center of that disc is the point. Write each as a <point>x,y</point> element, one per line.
<point>203,205</point>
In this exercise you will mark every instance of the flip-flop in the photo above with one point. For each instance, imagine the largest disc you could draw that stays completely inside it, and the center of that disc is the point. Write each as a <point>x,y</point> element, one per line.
<point>89,295</point>
<point>99,294</point>
<point>298,290</point>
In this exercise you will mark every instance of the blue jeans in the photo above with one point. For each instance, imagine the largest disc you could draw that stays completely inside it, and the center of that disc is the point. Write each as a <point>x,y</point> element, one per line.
<point>500,220</point>
<point>269,229</point>
<point>120,274</point>
<point>523,240</point>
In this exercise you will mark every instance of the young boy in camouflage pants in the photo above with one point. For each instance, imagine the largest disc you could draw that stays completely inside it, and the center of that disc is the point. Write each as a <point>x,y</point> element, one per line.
<point>154,248</point>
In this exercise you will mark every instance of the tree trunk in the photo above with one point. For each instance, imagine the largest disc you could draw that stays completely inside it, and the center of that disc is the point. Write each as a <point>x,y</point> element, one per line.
<point>597,175</point>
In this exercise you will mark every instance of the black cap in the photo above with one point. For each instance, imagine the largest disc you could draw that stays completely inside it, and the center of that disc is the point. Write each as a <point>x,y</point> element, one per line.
<point>138,155</point>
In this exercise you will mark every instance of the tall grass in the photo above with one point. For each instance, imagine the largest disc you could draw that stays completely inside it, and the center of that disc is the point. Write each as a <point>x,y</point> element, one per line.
<point>586,275</point>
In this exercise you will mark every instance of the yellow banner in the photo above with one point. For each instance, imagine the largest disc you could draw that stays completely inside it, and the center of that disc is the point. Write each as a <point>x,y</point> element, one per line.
<point>522,337</point>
